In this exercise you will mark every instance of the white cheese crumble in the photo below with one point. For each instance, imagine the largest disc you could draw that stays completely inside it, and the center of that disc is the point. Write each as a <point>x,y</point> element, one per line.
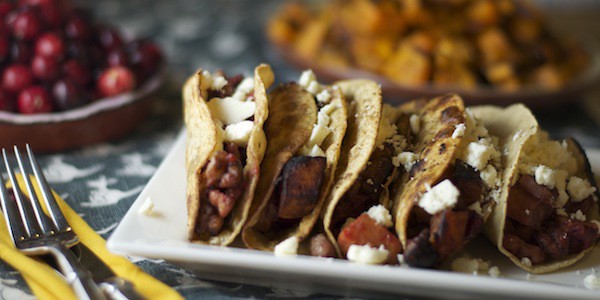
<point>230,110</point>
<point>324,96</point>
<point>238,133</point>
<point>443,195</point>
<point>459,130</point>
<point>387,128</point>
<point>526,261</point>
<point>489,175</point>
<point>308,80</point>
<point>578,215</point>
<point>592,282</point>
<point>381,215</point>
<point>406,159</point>
<point>288,246</point>
<point>479,153</point>
<point>553,179</point>
<point>147,208</point>
<point>215,83</point>
<point>561,212</point>
<point>476,207</point>
<point>415,124</point>
<point>319,133</point>
<point>474,266</point>
<point>579,189</point>
<point>366,254</point>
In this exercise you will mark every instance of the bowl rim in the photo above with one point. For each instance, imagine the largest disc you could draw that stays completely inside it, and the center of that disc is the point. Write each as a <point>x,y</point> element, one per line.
<point>97,106</point>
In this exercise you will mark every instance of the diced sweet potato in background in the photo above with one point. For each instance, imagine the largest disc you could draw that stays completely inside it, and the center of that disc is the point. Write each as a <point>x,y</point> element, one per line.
<point>494,46</point>
<point>365,230</point>
<point>408,66</point>
<point>483,13</point>
<point>547,76</point>
<point>370,52</point>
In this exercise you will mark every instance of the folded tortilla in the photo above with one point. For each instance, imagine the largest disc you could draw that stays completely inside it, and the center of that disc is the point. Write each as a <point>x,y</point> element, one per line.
<point>447,132</point>
<point>518,131</point>
<point>293,115</point>
<point>372,126</point>
<point>202,142</point>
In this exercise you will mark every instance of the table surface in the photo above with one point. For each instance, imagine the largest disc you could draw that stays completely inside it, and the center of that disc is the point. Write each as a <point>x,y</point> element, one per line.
<point>216,35</point>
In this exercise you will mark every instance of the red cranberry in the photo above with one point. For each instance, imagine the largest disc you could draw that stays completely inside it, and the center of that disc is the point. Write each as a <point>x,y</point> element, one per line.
<point>68,94</point>
<point>85,53</point>
<point>146,58</point>
<point>27,25</point>
<point>117,57</point>
<point>50,45</point>
<point>5,8</point>
<point>33,100</point>
<point>77,71</point>
<point>53,16</point>
<point>7,102</point>
<point>78,28</point>
<point>115,80</point>
<point>45,68</point>
<point>16,77</point>
<point>4,48</point>
<point>21,52</point>
<point>109,37</point>
<point>38,2</point>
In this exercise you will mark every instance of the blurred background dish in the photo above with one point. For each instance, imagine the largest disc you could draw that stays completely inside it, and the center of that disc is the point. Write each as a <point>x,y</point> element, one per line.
<point>497,52</point>
<point>67,80</point>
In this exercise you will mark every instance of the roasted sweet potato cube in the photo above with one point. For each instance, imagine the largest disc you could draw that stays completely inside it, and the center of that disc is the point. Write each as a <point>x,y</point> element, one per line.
<point>521,249</point>
<point>408,66</point>
<point>494,46</point>
<point>448,230</point>
<point>527,209</point>
<point>301,181</point>
<point>364,230</point>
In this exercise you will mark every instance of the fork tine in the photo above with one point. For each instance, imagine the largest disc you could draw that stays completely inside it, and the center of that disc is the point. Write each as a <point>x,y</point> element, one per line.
<point>56,214</point>
<point>30,225</point>
<point>11,213</point>
<point>45,226</point>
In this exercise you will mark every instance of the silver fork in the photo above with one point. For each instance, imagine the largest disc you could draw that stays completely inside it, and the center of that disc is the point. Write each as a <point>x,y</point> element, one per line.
<point>34,234</point>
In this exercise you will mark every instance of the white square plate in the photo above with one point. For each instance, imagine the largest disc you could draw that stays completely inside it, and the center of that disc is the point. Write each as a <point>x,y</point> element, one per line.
<point>164,236</point>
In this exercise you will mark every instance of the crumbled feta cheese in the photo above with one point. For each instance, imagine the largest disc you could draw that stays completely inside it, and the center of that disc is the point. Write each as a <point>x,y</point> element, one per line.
<point>288,246</point>
<point>306,78</point>
<point>230,110</point>
<point>370,181</point>
<point>215,83</point>
<point>381,215</point>
<point>405,159</point>
<point>315,151</point>
<point>527,212</point>
<point>415,124</point>
<point>489,175</point>
<point>459,130</point>
<point>246,86</point>
<point>318,134</point>
<point>443,195</point>
<point>578,215</point>
<point>579,189</point>
<point>553,179</point>
<point>238,133</point>
<point>147,208</point>
<point>474,266</point>
<point>526,261</point>
<point>324,96</point>
<point>592,282</point>
<point>476,207</point>
<point>314,88</point>
<point>365,254</point>
<point>479,153</point>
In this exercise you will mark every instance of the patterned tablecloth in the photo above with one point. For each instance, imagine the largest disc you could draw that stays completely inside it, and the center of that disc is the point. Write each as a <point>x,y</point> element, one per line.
<point>102,181</point>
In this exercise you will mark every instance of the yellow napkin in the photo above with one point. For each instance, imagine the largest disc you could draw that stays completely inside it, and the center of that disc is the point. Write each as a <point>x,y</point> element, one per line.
<point>46,283</point>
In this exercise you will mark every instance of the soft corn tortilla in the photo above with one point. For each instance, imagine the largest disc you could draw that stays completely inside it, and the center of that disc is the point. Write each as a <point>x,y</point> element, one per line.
<point>364,114</point>
<point>506,123</point>
<point>436,147</point>
<point>294,113</point>
<point>202,142</point>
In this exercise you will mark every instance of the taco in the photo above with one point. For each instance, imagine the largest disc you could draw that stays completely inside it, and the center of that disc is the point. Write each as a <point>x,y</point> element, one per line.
<point>450,189</point>
<point>547,216</point>
<point>305,130</point>
<point>356,215</point>
<point>224,149</point>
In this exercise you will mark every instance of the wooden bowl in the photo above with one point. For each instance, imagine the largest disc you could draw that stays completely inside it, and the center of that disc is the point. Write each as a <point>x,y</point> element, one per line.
<point>102,120</point>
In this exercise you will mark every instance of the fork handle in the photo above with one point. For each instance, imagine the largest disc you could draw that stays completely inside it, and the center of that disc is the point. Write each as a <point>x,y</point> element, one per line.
<point>79,278</point>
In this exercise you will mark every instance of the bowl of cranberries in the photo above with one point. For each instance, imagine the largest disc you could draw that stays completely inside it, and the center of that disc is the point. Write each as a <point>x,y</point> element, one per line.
<point>67,81</point>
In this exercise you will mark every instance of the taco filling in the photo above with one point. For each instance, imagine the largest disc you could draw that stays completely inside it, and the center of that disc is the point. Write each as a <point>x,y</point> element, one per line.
<point>293,206</point>
<point>549,203</point>
<point>232,107</point>
<point>389,158</point>
<point>452,211</point>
